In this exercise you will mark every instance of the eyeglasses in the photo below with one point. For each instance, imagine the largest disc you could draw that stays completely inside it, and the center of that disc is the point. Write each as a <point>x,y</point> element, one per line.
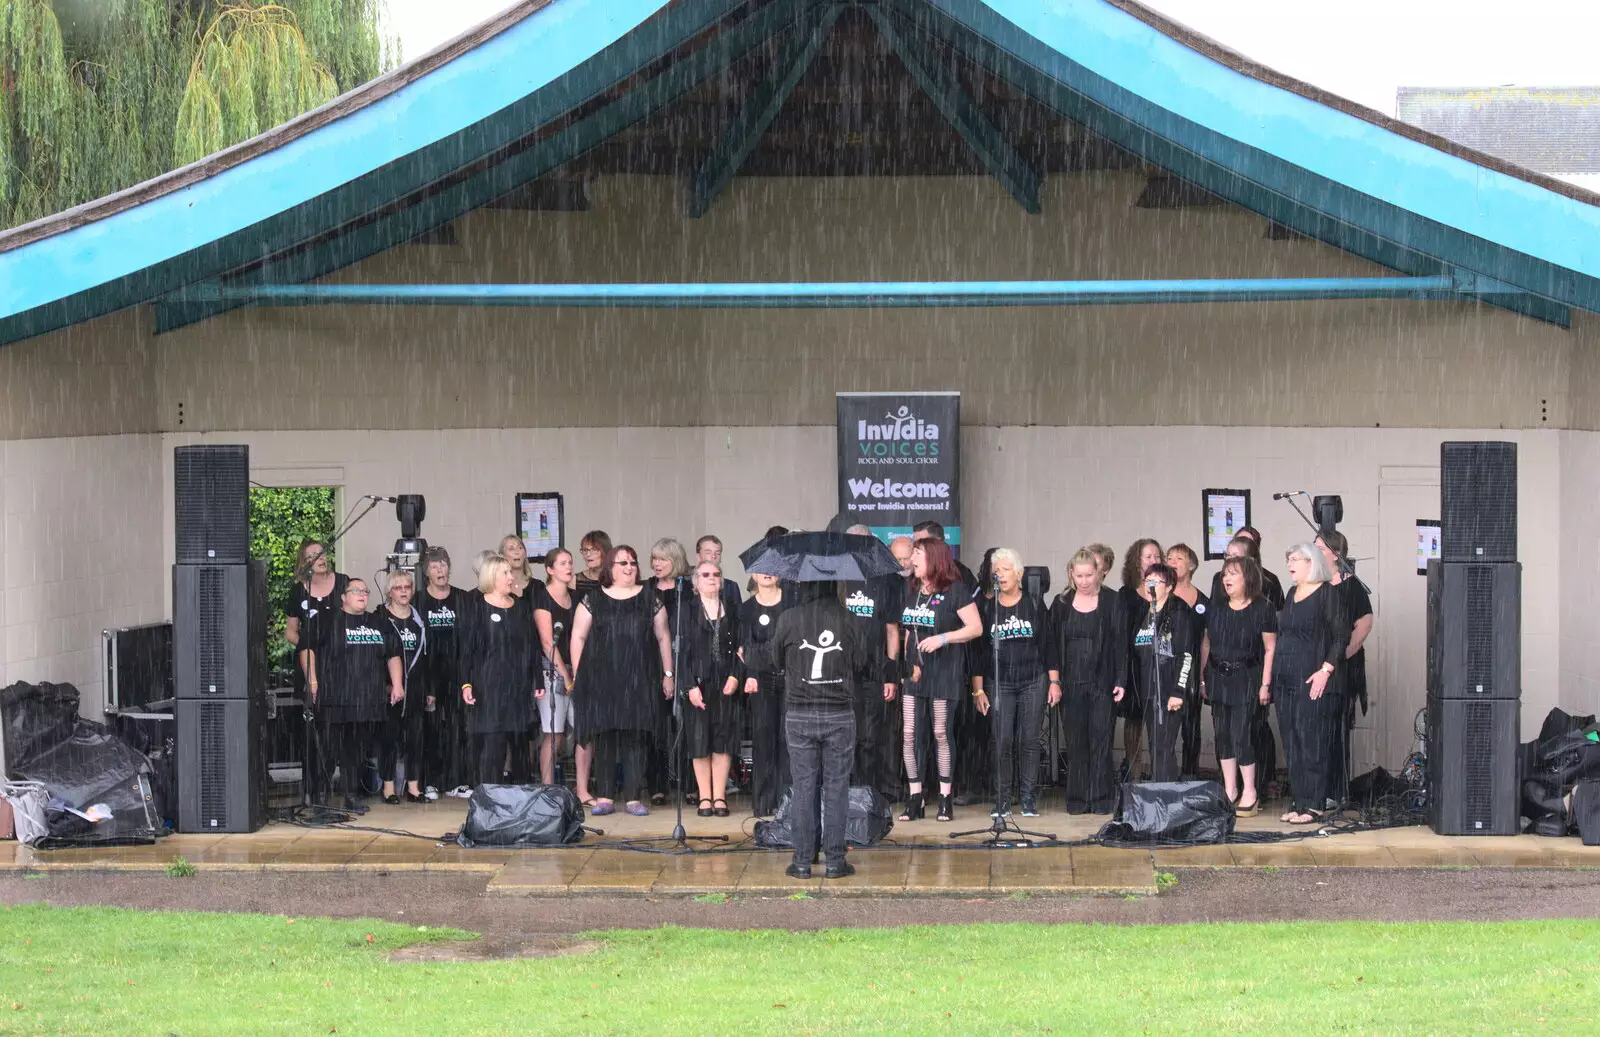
<point>710,576</point>
<point>625,563</point>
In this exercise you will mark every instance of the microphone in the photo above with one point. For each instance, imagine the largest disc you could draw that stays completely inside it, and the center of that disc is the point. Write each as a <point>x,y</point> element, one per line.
<point>1290,493</point>
<point>391,500</point>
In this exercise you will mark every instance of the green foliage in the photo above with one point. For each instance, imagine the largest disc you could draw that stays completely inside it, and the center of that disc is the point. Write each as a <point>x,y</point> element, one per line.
<point>99,95</point>
<point>281,517</point>
<point>1166,881</point>
<point>179,868</point>
<point>242,974</point>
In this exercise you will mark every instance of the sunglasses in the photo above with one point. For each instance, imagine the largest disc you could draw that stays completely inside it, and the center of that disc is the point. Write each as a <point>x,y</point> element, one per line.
<point>625,563</point>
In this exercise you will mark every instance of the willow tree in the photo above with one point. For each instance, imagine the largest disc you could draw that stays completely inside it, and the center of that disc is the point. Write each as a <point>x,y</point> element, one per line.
<point>97,95</point>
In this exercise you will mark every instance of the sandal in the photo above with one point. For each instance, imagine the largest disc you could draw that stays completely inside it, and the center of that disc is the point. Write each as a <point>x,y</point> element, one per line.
<point>719,811</point>
<point>914,808</point>
<point>601,807</point>
<point>705,808</point>
<point>1306,817</point>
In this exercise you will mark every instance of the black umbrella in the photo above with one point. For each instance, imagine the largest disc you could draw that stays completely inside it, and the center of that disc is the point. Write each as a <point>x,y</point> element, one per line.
<point>819,557</point>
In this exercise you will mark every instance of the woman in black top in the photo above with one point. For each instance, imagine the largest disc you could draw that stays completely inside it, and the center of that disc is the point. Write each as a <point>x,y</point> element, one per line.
<point>1235,664</point>
<point>1352,683</point>
<point>1312,634</point>
<point>1263,742</point>
<point>1135,597</point>
<point>763,687</point>
<point>500,677</point>
<point>939,613</point>
<point>1164,658</point>
<point>404,726</point>
<point>1089,628</point>
<point>313,600</point>
<point>711,720</point>
<point>1182,560</point>
<point>553,605</point>
<point>1245,546</point>
<point>448,752</point>
<point>622,667</point>
<point>674,590</point>
<point>594,547</point>
<point>353,673</point>
<point>1017,629</point>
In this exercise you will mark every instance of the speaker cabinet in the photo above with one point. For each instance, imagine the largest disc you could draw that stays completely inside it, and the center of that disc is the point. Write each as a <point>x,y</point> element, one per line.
<point>1475,630</point>
<point>219,631</point>
<point>1478,490</point>
<point>211,506</point>
<point>220,764</point>
<point>1472,766</point>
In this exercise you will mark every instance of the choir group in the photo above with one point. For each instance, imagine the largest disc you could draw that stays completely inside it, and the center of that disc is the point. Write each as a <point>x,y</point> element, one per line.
<point>957,681</point>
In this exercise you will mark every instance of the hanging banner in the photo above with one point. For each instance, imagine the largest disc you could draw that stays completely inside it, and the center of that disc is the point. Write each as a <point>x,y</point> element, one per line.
<point>900,461</point>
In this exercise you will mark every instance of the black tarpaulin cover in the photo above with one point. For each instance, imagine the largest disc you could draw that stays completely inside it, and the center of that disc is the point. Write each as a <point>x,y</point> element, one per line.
<point>82,764</point>
<point>871,818</point>
<point>522,815</point>
<point>1563,755</point>
<point>1186,813</point>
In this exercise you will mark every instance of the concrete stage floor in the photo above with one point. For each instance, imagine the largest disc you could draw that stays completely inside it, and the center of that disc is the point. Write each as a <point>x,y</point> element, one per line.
<point>916,859</point>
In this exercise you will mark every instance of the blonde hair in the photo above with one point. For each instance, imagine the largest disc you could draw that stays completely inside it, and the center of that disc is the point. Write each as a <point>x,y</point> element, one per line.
<point>673,552</point>
<point>399,576</point>
<point>1009,555</point>
<point>1085,556</point>
<point>483,559</point>
<point>525,574</point>
<point>490,571</point>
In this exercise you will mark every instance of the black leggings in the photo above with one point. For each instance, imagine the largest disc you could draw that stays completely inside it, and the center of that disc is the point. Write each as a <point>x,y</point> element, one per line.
<point>403,740</point>
<point>492,749</point>
<point>1231,726</point>
<point>627,748</point>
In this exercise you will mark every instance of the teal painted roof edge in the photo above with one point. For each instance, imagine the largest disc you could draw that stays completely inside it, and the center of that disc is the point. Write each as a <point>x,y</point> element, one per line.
<point>444,101</point>
<point>1452,191</point>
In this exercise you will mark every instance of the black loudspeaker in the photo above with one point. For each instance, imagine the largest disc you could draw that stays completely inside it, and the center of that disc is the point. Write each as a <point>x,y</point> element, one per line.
<point>1472,766</point>
<point>1036,580</point>
<point>211,513</point>
<point>1478,490</point>
<point>219,631</point>
<point>220,764</point>
<point>1475,630</point>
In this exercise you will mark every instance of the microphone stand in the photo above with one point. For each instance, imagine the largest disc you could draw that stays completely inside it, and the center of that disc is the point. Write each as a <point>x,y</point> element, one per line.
<point>1003,832</point>
<point>1155,673</point>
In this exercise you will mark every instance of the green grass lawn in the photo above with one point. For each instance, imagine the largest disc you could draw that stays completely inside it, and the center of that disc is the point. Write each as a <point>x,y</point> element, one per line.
<point>107,971</point>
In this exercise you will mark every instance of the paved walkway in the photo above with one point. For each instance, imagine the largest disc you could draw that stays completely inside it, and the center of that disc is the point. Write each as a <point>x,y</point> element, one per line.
<point>918,858</point>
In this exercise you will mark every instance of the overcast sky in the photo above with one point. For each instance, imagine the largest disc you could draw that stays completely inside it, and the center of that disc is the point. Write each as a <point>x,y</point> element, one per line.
<point>1360,49</point>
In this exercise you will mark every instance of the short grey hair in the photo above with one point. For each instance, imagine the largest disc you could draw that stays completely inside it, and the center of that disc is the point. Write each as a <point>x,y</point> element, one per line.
<point>1006,554</point>
<point>859,530</point>
<point>1312,554</point>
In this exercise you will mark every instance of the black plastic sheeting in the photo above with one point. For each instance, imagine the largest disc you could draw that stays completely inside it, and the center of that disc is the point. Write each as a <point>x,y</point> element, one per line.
<point>82,764</point>
<point>871,818</point>
<point>1170,813</point>
<point>522,815</point>
<point>1561,757</point>
<point>1586,810</point>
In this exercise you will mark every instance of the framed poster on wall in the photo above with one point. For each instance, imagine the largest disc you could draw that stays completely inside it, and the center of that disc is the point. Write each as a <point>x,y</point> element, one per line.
<point>541,522</point>
<point>1226,512</point>
<point>1427,543</point>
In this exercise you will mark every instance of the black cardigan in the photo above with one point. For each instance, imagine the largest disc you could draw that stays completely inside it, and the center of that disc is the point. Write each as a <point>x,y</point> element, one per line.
<point>1111,636</point>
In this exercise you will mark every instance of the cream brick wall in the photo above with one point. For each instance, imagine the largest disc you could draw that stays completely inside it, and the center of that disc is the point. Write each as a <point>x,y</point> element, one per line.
<point>80,522</point>
<point>1579,549</point>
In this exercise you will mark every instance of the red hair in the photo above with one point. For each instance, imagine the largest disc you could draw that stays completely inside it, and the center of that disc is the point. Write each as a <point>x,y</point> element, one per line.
<point>609,578</point>
<point>942,571</point>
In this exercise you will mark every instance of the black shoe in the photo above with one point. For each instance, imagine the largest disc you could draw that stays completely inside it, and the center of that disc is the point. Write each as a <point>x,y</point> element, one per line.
<point>354,806</point>
<point>798,871</point>
<point>963,799</point>
<point>1030,807</point>
<point>914,811</point>
<point>840,870</point>
<point>721,811</point>
<point>1002,809</point>
<point>705,808</point>
<point>946,811</point>
<point>412,797</point>
<point>393,800</point>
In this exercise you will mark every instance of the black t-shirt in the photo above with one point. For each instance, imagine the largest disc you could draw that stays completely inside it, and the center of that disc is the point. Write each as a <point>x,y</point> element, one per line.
<point>313,612</point>
<point>441,616</point>
<point>1233,675</point>
<point>352,660</point>
<point>560,618</point>
<point>876,605</point>
<point>1271,589</point>
<point>1022,633</point>
<point>757,624</point>
<point>821,654</point>
<point>1357,603</point>
<point>924,615</point>
<point>413,641</point>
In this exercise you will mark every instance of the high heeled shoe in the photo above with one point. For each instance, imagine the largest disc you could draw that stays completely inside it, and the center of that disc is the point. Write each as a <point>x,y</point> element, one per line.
<point>946,810</point>
<point>915,810</point>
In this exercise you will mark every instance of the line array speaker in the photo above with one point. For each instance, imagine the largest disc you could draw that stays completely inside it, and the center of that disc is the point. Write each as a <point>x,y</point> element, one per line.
<point>211,513</point>
<point>1472,766</point>
<point>220,764</point>
<point>1475,630</point>
<point>1478,490</point>
<point>219,621</point>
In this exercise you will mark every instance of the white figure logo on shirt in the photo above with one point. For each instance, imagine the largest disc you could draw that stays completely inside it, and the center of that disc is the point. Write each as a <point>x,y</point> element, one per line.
<point>823,646</point>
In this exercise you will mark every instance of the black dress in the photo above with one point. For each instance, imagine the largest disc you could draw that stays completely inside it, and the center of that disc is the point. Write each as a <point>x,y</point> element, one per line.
<point>500,659</point>
<point>1310,633</point>
<point>944,671</point>
<point>1233,674</point>
<point>619,676</point>
<point>711,659</point>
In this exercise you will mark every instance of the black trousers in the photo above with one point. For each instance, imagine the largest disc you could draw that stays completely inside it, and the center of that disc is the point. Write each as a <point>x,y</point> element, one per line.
<point>971,747</point>
<point>1310,730</point>
<point>821,747</point>
<point>1264,747</point>
<point>402,740</point>
<point>874,766</point>
<point>492,749</point>
<point>627,749</point>
<point>1164,729</point>
<point>769,748</point>
<point>1091,722</point>
<point>1191,735</point>
<point>1016,716</point>
<point>346,745</point>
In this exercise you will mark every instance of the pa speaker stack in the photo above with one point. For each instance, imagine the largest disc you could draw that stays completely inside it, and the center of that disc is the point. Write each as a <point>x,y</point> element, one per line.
<point>1475,645</point>
<point>218,643</point>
